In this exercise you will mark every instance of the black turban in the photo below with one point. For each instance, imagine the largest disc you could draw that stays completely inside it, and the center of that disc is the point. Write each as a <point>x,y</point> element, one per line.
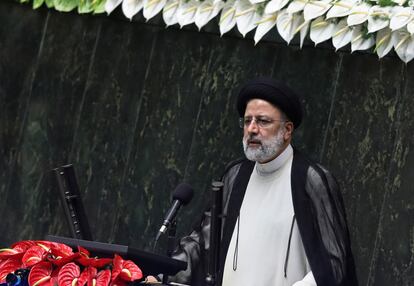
<point>275,93</point>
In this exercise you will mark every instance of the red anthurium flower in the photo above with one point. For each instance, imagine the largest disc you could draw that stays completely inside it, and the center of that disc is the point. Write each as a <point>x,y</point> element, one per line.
<point>103,278</point>
<point>98,279</point>
<point>57,249</point>
<point>40,274</point>
<point>8,266</point>
<point>69,275</point>
<point>60,261</point>
<point>34,255</point>
<point>94,262</point>
<point>126,269</point>
<point>24,245</point>
<point>118,282</point>
<point>6,253</point>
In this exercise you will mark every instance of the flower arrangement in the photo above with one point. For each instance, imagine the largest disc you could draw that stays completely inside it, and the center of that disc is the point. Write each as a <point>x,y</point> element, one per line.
<point>45,263</point>
<point>379,25</point>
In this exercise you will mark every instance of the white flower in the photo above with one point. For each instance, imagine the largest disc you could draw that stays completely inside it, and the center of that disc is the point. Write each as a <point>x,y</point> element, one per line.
<point>207,11</point>
<point>110,5</point>
<point>321,30</point>
<point>153,7</point>
<point>132,7</point>
<point>289,24</point>
<point>379,18</point>
<point>267,22</point>
<point>360,41</point>
<point>404,45</point>
<point>246,16</point>
<point>384,42</point>
<point>186,12</point>
<point>169,13</point>
<point>401,17</point>
<point>314,9</point>
<point>410,27</point>
<point>340,8</point>
<point>227,18</point>
<point>342,35</point>
<point>359,14</point>
<point>275,5</point>
<point>297,6</point>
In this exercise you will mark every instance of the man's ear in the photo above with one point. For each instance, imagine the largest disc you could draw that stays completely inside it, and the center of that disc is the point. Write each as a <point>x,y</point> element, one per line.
<point>288,130</point>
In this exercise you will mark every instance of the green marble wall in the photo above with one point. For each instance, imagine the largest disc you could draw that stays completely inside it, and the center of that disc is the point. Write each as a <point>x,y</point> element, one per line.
<point>139,108</point>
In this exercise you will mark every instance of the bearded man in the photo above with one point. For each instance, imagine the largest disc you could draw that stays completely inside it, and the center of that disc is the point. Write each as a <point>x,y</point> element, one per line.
<point>284,220</point>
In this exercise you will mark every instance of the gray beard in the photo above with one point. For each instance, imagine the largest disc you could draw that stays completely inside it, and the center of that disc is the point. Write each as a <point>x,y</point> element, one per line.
<point>267,150</point>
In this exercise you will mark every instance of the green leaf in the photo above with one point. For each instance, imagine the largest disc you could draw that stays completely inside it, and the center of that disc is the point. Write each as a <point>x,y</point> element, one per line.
<point>85,6</point>
<point>37,3</point>
<point>50,3</point>
<point>66,5</point>
<point>99,6</point>
<point>386,3</point>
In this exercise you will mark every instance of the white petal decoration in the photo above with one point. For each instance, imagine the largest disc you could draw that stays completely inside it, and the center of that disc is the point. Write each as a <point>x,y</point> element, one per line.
<point>359,14</point>
<point>186,12</point>
<point>228,17</point>
<point>361,41</point>
<point>288,24</point>
<point>399,2</point>
<point>410,27</point>
<point>275,5</point>
<point>384,42</point>
<point>110,5</point>
<point>246,17</point>
<point>321,30</point>
<point>256,1</point>
<point>401,16</point>
<point>153,7</point>
<point>404,45</point>
<point>267,22</point>
<point>297,6</point>
<point>169,13</point>
<point>303,28</point>
<point>378,19</point>
<point>341,8</point>
<point>207,11</point>
<point>132,7</point>
<point>342,35</point>
<point>314,9</point>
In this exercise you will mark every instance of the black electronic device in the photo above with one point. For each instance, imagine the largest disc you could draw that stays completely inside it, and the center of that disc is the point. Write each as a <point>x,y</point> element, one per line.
<point>72,202</point>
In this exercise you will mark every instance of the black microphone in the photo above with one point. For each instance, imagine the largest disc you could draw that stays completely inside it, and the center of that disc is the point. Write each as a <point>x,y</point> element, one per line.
<point>182,195</point>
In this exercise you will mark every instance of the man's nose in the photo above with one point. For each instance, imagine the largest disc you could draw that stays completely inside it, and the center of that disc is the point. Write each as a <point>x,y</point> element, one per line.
<point>253,127</point>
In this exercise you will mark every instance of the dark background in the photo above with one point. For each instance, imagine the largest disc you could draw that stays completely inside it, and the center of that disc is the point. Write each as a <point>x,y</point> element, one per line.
<point>138,108</point>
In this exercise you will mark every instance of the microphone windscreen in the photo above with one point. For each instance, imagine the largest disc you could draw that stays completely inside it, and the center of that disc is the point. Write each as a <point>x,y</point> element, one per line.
<point>184,193</point>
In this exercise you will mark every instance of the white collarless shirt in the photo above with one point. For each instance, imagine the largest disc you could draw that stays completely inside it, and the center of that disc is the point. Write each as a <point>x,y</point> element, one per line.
<point>258,248</point>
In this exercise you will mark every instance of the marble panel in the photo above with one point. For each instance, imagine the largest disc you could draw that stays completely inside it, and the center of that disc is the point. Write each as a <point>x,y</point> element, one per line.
<point>57,98</point>
<point>163,134</point>
<point>20,41</point>
<point>360,145</point>
<point>393,257</point>
<point>108,123</point>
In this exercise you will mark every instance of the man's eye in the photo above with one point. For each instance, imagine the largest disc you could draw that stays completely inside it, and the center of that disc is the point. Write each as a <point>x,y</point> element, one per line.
<point>247,121</point>
<point>263,122</point>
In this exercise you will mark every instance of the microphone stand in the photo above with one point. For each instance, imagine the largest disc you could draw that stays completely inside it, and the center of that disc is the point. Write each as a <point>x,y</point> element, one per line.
<point>170,245</point>
<point>215,232</point>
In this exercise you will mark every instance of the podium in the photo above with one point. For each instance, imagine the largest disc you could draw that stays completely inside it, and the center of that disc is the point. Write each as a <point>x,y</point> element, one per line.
<point>150,263</point>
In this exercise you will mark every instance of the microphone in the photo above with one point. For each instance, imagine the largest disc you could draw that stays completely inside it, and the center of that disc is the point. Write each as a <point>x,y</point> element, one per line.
<point>182,195</point>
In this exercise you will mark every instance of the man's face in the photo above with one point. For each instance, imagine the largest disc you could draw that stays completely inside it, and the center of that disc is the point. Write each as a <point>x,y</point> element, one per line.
<point>266,133</point>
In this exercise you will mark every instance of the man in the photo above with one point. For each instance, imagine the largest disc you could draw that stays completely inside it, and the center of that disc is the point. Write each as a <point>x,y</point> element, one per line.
<point>284,220</point>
